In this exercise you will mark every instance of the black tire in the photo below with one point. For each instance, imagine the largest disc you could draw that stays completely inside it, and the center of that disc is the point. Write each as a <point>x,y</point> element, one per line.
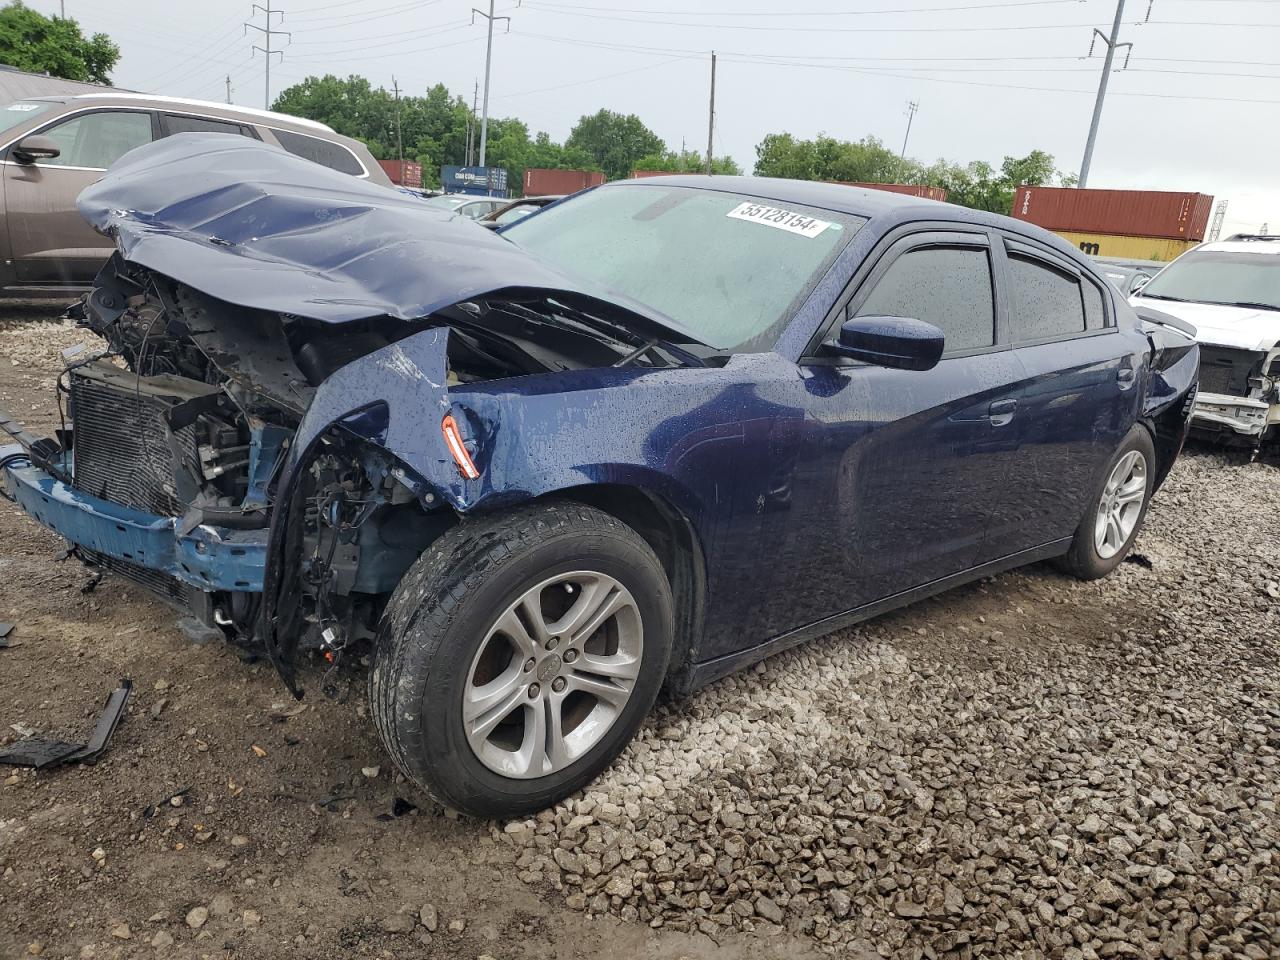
<point>1083,560</point>
<point>436,622</point>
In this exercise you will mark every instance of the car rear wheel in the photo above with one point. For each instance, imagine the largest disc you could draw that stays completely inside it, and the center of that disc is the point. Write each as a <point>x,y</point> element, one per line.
<point>519,655</point>
<point>1118,507</point>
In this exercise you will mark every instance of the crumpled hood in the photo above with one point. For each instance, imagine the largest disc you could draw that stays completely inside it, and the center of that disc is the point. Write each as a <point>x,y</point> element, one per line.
<point>255,226</point>
<point>1243,328</point>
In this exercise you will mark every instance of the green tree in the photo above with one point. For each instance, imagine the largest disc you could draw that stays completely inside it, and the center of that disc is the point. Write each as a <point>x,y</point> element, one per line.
<point>614,141</point>
<point>690,161</point>
<point>351,106</point>
<point>31,41</point>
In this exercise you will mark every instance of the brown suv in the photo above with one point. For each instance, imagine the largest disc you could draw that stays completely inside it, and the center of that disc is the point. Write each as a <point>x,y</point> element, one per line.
<point>51,148</point>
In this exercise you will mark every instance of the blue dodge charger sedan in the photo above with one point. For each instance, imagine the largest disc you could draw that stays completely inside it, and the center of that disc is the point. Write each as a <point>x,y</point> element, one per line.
<point>643,437</point>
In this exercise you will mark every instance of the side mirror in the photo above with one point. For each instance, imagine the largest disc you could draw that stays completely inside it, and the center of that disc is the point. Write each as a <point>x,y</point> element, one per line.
<point>35,147</point>
<point>1138,284</point>
<point>898,342</point>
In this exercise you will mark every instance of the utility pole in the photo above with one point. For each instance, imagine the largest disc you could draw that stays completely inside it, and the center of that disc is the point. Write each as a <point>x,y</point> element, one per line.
<point>488,59</point>
<point>399,143</point>
<point>711,117</point>
<point>228,88</point>
<point>912,107</point>
<point>1112,42</point>
<point>1219,215</point>
<point>471,125</point>
<point>267,34</point>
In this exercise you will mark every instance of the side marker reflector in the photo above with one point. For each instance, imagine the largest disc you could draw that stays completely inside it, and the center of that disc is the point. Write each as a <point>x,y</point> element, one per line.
<point>453,439</point>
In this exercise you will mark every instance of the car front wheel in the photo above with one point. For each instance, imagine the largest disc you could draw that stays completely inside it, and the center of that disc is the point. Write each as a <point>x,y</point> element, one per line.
<point>519,655</point>
<point>1117,509</point>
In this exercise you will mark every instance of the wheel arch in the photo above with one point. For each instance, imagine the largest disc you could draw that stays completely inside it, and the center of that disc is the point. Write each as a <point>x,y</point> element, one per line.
<point>675,541</point>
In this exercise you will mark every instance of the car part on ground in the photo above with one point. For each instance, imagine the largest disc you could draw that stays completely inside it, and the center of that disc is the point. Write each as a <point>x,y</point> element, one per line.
<point>565,407</point>
<point>1230,292</point>
<point>42,751</point>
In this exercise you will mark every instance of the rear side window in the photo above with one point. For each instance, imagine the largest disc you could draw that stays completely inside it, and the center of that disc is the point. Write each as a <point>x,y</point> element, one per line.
<point>324,152</point>
<point>1095,318</point>
<point>1044,302</point>
<point>949,287</point>
<point>176,123</point>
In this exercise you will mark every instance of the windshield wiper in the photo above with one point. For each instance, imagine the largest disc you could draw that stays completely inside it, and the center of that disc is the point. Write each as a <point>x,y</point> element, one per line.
<point>624,334</point>
<point>1248,305</point>
<point>1160,296</point>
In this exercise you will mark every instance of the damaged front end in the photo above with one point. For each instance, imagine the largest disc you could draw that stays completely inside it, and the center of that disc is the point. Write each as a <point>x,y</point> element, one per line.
<point>266,435</point>
<point>182,443</point>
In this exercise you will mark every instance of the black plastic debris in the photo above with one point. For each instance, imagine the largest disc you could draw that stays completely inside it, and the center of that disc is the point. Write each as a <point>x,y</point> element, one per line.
<point>1141,559</point>
<point>398,809</point>
<point>47,751</point>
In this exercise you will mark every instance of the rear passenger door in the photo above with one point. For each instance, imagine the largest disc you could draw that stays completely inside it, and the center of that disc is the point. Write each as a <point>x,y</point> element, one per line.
<point>1076,401</point>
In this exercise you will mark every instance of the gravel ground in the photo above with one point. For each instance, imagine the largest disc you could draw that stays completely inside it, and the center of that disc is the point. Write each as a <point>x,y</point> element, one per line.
<point>1028,766</point>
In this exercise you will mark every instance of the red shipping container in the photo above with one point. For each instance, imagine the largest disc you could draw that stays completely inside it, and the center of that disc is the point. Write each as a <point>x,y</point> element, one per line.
<point>412,172</point>
<point>539,182</point>
<point>910,189</point>
<point>1130,213</point>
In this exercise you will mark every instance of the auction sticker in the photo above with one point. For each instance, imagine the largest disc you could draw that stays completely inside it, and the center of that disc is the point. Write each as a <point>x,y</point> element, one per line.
<point>789,220</point>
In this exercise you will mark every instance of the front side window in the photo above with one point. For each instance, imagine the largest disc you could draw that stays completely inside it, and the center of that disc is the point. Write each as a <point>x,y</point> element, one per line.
<point>1221,276</point>
<point>324,152</point>
<point>1044,302</point>
<point>726,269</point>
<point>949,287</point>
<point>97,140</point>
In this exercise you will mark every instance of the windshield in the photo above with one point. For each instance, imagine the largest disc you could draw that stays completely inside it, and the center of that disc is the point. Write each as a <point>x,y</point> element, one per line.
<point>21,112</point>
<point>1220,276</point>
<point>727,269</point>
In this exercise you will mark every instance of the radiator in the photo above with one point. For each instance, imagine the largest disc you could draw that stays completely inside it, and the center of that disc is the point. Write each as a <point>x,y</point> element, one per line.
<point>124,449</point>
<point>1227,371</point>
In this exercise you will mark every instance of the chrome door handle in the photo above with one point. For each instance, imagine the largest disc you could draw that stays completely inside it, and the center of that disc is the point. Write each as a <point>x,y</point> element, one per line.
<point>1001,412</point>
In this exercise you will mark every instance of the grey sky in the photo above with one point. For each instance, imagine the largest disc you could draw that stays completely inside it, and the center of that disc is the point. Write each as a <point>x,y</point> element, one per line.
<point>999,77</point>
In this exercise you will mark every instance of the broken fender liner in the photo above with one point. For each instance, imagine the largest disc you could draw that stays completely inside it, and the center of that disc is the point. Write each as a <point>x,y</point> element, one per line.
<point>47,751</point>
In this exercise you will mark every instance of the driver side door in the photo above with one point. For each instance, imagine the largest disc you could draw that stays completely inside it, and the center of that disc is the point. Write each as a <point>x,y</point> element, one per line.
<point>51,243</point>
<point>894,473</point>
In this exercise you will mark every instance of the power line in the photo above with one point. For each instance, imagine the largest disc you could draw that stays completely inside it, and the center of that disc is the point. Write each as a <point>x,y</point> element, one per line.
<point>379,13</point>
<point>591,80</point>
<point>775,29</point>
<point>400,34</point>
<point>546,4</point>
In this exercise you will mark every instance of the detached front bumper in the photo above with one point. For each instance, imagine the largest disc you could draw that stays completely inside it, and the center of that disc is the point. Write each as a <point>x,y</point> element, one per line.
<point>1221,412</point>
<point>206,558</point>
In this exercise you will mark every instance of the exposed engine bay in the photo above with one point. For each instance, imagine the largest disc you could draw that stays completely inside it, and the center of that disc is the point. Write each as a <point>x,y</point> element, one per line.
<point>190,409</point>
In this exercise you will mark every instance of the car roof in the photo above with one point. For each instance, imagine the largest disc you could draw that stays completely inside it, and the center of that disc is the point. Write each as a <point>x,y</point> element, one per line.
<point>207,106</point>
<point>1258,245</point>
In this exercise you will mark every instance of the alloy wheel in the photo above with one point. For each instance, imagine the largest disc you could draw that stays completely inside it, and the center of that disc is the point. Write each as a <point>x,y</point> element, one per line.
<point>1120,505</point>
<point>553,674</point>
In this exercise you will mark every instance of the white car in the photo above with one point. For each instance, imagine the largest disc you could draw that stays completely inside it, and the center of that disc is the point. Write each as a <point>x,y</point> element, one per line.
<point>1230,292</point>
